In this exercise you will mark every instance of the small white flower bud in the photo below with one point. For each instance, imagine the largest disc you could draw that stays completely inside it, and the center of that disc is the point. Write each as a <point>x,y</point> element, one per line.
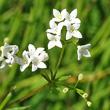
<point>85,95</point>
<point>89,103</point>
<point>80,77</point>
<point>6,39</point>
<point>65,90</point>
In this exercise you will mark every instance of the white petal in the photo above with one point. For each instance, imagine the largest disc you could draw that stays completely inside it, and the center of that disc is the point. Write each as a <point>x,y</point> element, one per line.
<point>59,44</point>
<point>31,48</point>
<point>8,61</point>
<point>63,11</point>
<point>75,20</point>
<point>85,46</point>
<point>3,65</point>
<point>77,34</point>
<point>34,67</point>
<point>56,20</point>
<point>1,58</point>
<point>25,54</point>
<point>51,44</point>
<point>12,60</point>
<point>68,25</point>
<point>23,67</point>
<point>60,26</point>
<point>76,26</point>
<point>68,35</point>
<point>42,65</point>
<point>52,24</point>
<point>66,15</point>
<point>39,50</point>
<point>14,49</point>
<point>56,12</point>
<point>86,53</point>
<point>51,31</point>
<point>50,36</point>
<point>46,57</point>
<point>41,57</point>
<point>79,55</point>
<point>73,13</point>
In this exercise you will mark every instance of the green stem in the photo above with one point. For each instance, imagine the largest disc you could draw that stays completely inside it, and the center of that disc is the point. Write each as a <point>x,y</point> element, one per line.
<point>76,83</point>
<point>27,96</point>
<point>47,76</point>
<point>59,61</point>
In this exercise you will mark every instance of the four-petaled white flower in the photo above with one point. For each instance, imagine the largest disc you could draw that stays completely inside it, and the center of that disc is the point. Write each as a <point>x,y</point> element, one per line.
<point>58,16</point>
<point>37,62</point>
<point>82,50</point>
<point>72,16</point>
<point>33,51</point>
<point>54,41</point>
<point>72,31</point>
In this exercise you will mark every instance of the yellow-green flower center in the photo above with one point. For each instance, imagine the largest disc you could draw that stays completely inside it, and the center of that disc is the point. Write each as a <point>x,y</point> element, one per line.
<point>59,16</point>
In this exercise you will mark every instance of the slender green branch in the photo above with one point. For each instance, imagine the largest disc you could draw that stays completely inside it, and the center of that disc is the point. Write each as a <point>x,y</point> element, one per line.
<point>59,61</point>
<point>27,96</point>
<point>76,83</point>
<point>47,76</point>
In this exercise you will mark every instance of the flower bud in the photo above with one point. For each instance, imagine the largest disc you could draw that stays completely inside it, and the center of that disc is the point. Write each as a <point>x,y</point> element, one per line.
<point>89,103</point>
<point>6,39</point>
<point>65,90</point>
<point>85,95</point>
<point>80,77</point>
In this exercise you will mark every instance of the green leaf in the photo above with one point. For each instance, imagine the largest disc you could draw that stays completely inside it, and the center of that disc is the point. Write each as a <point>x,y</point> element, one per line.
<point>5,101</point>
<point>64,77</point>
<point>79,91</point>
<point>19,108</point>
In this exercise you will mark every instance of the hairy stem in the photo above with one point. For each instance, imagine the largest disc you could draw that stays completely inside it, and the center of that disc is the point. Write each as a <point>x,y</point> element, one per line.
<point>27,96</point>
<point>59,61</point>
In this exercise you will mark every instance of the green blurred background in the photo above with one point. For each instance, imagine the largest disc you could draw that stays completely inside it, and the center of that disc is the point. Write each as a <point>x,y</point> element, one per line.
<point>26,21</point>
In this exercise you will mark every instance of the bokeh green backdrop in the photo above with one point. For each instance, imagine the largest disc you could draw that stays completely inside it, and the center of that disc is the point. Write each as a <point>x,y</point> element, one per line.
<point>26,21</point>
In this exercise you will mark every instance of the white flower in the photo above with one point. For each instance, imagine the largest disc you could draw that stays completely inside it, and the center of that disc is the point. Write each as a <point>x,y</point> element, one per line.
<point>25,61</point>
<point>8,54</point>
<point>36,56</point>
<point>55,29</point>
<point>54,41</point>
<point>58,16</point>
<point>33,51</point>
<point>12,49</point>
<point>37,62</point>
<point>82,50</point>
<point>72,30</point>
<point>72,16</point>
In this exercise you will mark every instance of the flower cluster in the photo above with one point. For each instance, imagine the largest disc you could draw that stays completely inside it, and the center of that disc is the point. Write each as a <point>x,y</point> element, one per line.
<point>36,56</point>
<point>8,55</point>
<point>72,24</point>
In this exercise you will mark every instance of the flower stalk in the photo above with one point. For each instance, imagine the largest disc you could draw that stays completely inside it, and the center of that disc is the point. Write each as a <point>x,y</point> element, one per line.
<point>27,96</point>
<point>59,61</point>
